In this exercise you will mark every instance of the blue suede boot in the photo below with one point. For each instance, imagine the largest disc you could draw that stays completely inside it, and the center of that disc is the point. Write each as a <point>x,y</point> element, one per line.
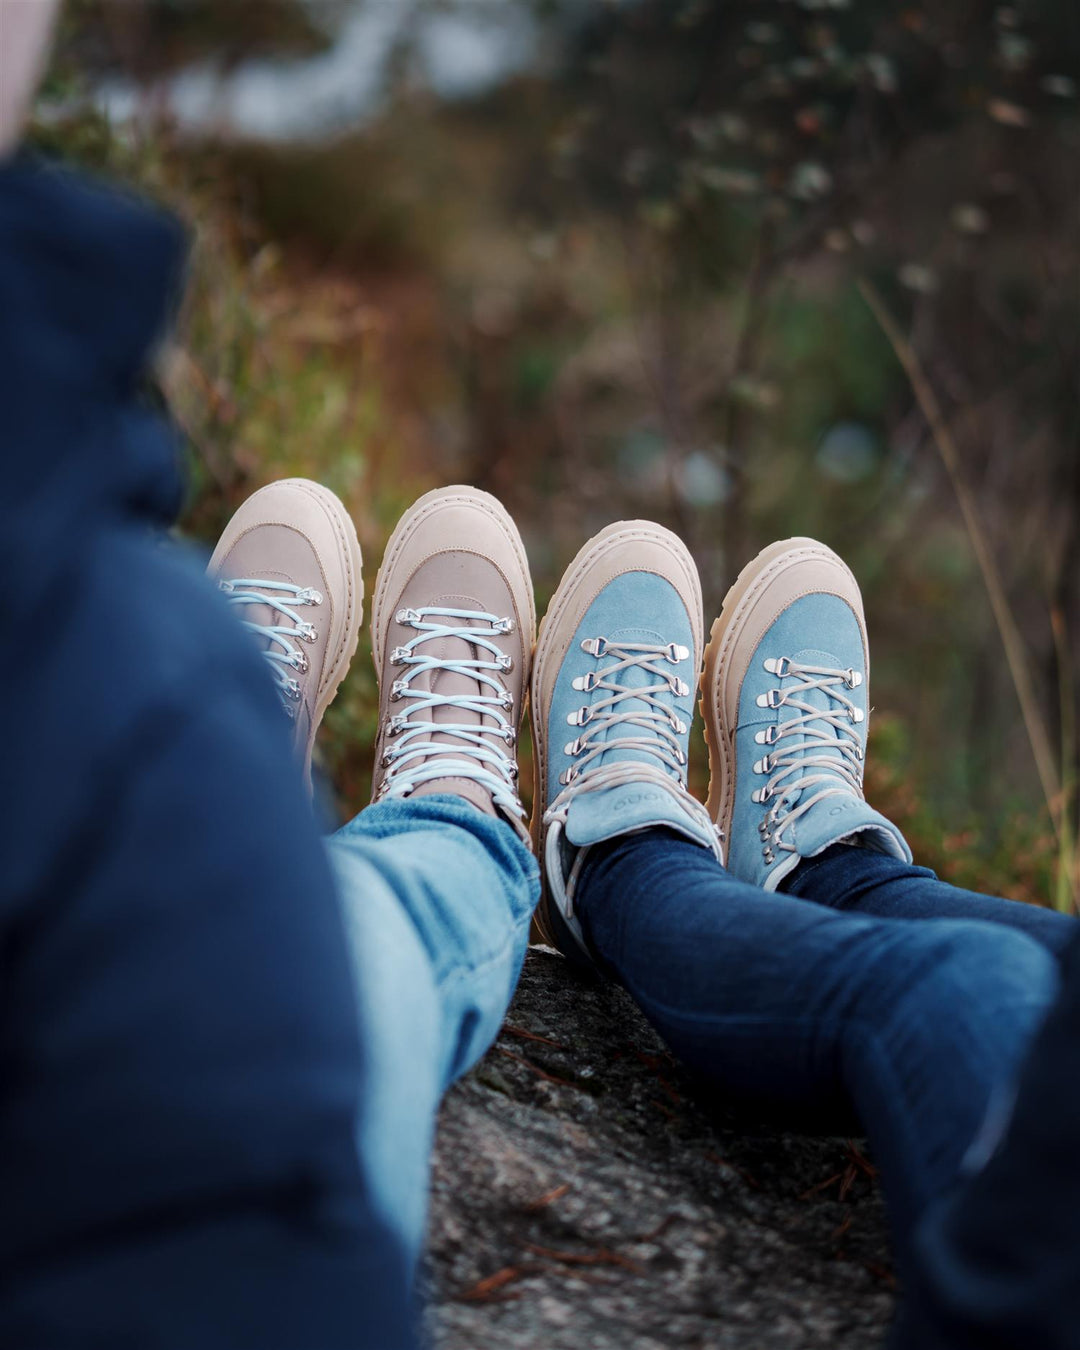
<point>612,703</point>
<point>784,697</point>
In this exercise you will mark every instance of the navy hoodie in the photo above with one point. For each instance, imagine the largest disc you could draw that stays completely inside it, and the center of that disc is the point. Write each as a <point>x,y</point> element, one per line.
<point>180,1062</point>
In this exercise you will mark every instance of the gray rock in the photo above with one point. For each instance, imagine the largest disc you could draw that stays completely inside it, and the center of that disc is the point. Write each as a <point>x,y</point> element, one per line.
<point>586,1197</point>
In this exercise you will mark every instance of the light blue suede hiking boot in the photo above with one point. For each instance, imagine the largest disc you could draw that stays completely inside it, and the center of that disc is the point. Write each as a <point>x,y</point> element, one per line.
<point>784,697</point>
<point>612,703</point>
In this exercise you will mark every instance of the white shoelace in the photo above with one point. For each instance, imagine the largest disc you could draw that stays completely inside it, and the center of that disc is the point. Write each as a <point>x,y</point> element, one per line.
<point>654,731</point>
<point>281,653</point>
<point>483,747</point>
<point>662,726</point>
<point>795,768</point>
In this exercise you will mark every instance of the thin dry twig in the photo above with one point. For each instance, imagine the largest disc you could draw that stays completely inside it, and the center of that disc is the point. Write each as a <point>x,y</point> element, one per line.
<point>657,1230</point>
<point>855,1155</point>
<point>548,1198</point>
<point>530,1036</point>
<point>851,1175</point>
<point>740,1172</point>
<point>1015,655</point>
<point>880,1272</point>
<point>822,1186</point>
<point>603,1256</point>
<point>1067,893</point>
<point>540,1073</point>
<point>489,1289</point>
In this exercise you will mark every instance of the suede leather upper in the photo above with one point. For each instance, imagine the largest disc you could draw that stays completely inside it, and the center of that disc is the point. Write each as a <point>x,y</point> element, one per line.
<point>815,628</point>
<point>457,549</point>
<point>634,607</point>
<point>297,532</point>
<point>633,585</point>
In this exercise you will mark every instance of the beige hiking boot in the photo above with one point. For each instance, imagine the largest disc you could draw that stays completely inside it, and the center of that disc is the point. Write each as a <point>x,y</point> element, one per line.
<point>452,631</point>
<point>289,561</point>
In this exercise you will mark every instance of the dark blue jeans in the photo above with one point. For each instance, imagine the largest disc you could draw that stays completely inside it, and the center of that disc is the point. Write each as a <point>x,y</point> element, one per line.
<point>997,1261</point>
<point>870,997</point>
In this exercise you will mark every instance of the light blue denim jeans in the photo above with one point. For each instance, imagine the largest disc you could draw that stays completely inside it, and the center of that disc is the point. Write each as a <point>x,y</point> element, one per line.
<point>437,899</point>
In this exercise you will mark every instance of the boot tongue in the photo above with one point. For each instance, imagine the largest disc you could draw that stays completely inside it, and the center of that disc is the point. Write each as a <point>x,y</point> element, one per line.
<point>451,684</point>
<point>596,816</point>
<point>634,677</point>
<point>817,699</point>
<point>839,818</point>
<point>266,617</point>
<point>848,820</point>
<point>600,814</point>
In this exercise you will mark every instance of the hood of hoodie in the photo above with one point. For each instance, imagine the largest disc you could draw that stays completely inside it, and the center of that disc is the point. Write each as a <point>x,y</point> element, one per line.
<point>89,277</point>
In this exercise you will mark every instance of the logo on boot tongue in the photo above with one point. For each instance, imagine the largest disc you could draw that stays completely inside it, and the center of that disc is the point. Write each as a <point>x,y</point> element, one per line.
<point>636,799</point>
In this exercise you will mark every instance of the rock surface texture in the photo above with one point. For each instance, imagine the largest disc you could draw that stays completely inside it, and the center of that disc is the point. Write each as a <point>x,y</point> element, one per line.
<point>586,1199</point>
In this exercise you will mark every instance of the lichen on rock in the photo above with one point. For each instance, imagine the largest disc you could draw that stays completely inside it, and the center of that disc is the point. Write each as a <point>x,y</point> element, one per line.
<point>587,1193</point>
